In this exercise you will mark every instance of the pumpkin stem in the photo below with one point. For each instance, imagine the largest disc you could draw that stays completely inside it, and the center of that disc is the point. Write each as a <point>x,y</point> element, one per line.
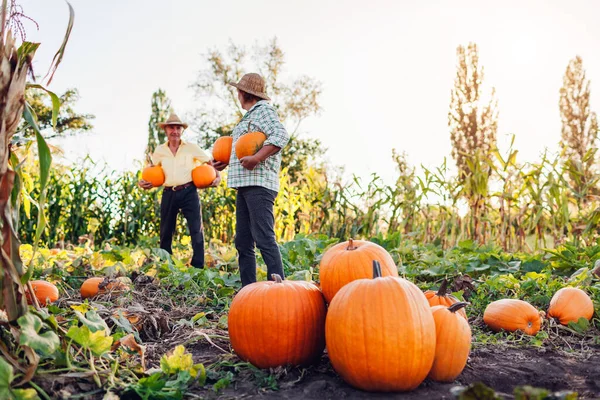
<point>376,269</point>
<point>443,290</point>
<point>457,306</point>
<point>351,245</point>
<point>276,278</point>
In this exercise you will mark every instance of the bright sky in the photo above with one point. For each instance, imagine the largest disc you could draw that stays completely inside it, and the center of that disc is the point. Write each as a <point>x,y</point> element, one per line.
<point>387,67</point>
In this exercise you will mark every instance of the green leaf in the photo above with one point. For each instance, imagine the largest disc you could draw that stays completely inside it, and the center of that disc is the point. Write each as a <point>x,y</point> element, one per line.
<point>97,342</point>
<point>93,321</point>
<point>6,377</point>
<point>61,51</point>
<point>581,326</point>
<point>44,343</point>
<point>475,391</point>
<point>55,102</point>
<point>26,50</point>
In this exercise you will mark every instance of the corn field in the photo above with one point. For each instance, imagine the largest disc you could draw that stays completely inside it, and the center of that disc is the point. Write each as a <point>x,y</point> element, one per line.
<point>529,206</point>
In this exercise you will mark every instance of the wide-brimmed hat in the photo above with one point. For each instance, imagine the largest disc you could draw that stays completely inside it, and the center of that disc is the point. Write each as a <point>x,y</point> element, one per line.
<point>173,120</point>
<point>252,83</point>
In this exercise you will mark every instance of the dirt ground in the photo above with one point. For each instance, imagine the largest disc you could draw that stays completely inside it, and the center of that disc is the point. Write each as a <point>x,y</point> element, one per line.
<point>499,367</point>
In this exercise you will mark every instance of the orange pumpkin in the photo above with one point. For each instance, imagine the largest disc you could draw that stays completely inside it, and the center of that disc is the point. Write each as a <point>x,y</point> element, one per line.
<point>277,323</point>
<point>154,174</point>
<point>351,260</point>
<point>45,292</point>
<point>203,175</point>
<point>222,149</point>
<point>511,315</point>
<point>380,333</point>
<point>453,342</point>
<point>249,144</point>
<point>96,286</point>
<point>442,298</point>
<point>569,304</point>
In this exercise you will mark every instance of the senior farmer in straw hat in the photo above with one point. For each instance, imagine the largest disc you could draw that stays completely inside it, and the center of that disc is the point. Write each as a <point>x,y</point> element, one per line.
<point>178,159</point>
<point>256,179</point>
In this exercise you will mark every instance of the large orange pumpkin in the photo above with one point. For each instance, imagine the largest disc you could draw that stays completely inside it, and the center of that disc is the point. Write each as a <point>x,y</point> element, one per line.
<point>511,315</point>
<point>154,174</point>
<point>380,333</point>
<point>45,292</point>
<point>95,286</point>
<point>453,342</point>
<point>442,298</point>
<point>203,175</point>
<point>277,323</point>
<point>222,149</point>
<point>569,304</point>
<point>249,144</point>
<point>351,260</point>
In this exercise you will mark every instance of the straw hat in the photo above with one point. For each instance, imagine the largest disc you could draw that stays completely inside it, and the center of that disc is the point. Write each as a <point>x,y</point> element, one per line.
<point>173,120</point>
<point>252,83</point>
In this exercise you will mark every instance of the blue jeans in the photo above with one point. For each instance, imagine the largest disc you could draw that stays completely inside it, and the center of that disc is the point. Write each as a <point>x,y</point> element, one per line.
<point>255,223</point>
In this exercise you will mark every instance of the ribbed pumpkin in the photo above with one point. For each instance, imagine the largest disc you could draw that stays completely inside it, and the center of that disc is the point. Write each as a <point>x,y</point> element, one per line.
<point>45,292</point>
<point>569,304</point>
<point>203,175</point>
<point>154,174</point>
<point>442,298</point>
<point>249,143</point>
<point>222,149</point>
<point>453,342</point>
<point>277,323</point>
<point>380,334</point>
<point>95,286</point>
<point>351,260</point>
<point>511,315</point>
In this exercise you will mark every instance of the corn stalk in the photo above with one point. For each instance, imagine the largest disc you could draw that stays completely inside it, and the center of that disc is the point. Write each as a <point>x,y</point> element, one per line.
<point>15,64</point>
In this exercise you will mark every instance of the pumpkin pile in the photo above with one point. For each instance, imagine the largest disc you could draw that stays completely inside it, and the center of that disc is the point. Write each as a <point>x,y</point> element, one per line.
<point>380,330</point>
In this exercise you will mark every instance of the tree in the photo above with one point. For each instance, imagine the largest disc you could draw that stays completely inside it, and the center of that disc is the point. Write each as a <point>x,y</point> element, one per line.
<point>579,130</point>
<point>160,110</point>
<point>473,123</point>
<point>68,122</point>
<point>220,110</point>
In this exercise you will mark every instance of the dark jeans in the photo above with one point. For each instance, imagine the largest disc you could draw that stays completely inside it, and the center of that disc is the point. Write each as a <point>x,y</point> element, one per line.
<point>255,225</point>
<point>188,202</point>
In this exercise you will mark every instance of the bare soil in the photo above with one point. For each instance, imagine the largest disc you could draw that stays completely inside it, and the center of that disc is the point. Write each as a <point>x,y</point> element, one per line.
<point>499,367</point>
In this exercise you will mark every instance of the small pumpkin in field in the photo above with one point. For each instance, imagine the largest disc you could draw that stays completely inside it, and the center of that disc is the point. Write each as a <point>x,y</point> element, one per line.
<point>277,323</point>
<point>511,315</point>
<point>443,298</point>
<point>380,333</point>
<point>349,261</point>
<point>569,304</point>
<point>453,342</point>
<point>249,144</point>
<point>154,174</point>
<point>96,286</point>
<point>203,175</point>
<point>45,292</point>
<point>222,149</point>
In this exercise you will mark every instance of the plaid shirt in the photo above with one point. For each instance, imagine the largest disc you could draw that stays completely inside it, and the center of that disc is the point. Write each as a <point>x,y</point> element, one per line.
<point>262,117</point>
